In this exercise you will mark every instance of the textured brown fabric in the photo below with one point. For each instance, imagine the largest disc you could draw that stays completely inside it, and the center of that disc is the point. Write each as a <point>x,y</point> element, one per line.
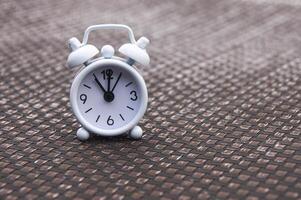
<point>224,110</point>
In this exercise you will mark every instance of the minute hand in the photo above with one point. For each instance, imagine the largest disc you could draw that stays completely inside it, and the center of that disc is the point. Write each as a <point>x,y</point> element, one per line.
<point>97,81</point>
<point>116,82</point>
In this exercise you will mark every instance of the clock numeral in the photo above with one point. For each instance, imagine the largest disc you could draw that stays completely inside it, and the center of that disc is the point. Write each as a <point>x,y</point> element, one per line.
<point>88,110</point>
<point>110,121</point>
<point>130,108</point>
<point>87,86</point>
<point>128,84</point>
<point>83,98</point>
<point>107,74</point>
<point>134,96</point>
<point>121,117</point>
<point>97,118</point>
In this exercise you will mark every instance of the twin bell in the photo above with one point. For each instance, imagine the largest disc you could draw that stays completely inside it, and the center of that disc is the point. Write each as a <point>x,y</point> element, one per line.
<point>82,53</point>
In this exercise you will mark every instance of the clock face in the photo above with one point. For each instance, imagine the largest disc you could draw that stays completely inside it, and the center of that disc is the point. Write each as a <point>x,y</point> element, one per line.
<point>110,96</point>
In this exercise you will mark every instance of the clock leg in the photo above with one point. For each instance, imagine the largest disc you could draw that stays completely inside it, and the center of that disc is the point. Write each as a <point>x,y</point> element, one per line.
<point>82,134</point>
<point>136,133</point>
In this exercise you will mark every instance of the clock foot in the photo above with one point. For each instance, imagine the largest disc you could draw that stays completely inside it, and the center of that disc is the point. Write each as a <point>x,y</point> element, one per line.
<point>136,133</point>
<point>82,134</point>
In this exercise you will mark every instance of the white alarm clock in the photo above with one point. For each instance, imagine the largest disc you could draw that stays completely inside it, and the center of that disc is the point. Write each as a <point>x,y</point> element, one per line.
<point>108,96</point>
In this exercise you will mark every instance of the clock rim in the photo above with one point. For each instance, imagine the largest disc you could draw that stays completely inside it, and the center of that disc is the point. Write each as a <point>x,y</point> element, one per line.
<point>74,92</point>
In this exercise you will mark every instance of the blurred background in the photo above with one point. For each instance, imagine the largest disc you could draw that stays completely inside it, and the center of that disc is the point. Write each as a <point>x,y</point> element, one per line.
<point>223,120</point>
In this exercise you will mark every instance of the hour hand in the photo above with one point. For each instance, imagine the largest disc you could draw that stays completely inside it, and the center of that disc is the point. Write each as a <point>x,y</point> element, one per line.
<point>97,81</point>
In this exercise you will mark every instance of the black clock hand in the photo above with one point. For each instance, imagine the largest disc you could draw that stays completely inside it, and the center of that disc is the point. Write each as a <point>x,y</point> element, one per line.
<point>97,81</point>
<point>109,73</point>
<point>116,82</point>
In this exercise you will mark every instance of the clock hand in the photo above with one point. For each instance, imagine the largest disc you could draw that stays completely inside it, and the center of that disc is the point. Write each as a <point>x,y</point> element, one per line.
<point>107,95</point>
<point>116,82</point>
<point>97,81</point>
<point>109,73</point>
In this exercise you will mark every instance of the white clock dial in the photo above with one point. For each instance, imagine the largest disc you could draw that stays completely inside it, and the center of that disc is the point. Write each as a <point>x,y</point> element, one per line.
<point>109,97</point>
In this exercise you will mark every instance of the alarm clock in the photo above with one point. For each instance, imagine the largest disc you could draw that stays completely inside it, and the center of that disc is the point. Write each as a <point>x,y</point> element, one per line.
<point>108,96</point>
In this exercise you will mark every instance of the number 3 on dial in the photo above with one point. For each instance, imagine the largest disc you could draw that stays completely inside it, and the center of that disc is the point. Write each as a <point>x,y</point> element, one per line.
<point>133,94</point>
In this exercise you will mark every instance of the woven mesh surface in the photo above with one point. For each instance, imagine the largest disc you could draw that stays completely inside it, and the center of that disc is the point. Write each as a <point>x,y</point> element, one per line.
<point>224,110</point>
